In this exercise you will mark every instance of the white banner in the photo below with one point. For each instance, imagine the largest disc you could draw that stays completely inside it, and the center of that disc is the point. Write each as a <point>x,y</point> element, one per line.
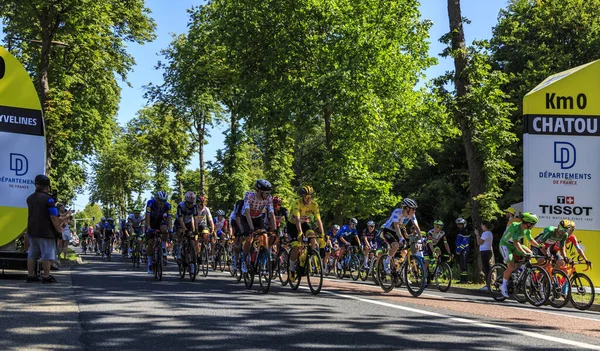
<point>561,179</point>
<point>21,159</point>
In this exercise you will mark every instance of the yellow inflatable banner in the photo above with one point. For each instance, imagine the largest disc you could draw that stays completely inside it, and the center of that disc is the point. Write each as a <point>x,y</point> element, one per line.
<point>561,170</point>
<point>22,145</point>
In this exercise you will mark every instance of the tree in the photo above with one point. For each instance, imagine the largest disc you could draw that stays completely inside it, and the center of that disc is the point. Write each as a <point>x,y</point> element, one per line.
<point>482,115</point>
<point>92,212</point>
<point>74,68</point>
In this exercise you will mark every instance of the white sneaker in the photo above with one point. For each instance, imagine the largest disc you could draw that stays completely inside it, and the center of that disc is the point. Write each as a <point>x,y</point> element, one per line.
<point>149,271</point>
<point>244,268</point>
<point>504,290</point>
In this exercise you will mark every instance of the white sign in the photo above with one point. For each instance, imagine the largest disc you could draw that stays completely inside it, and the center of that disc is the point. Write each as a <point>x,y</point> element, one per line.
<point>562,179</point>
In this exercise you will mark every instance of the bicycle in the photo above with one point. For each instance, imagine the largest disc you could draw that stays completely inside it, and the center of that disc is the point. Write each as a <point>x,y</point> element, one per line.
<point>282,264</point>
<point>350,262</point>
<point>440,272</point>
<point>582,288</point>
<point>107,248</point>
<point>309,261</point>
<point>410,271</point>
<point>202,259</point>
<point>221,257</point>
<point>187,260</point>
<point>531,281</point>
<point>560,287</point>
<point>135,252</point>
<point>259,263</point>
<point>157,262</point>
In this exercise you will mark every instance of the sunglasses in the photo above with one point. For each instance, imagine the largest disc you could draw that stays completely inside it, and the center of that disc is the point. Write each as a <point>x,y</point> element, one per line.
<point>529,225</point>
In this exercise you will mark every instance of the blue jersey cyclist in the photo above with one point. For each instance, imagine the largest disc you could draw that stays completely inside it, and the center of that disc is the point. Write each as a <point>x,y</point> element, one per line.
<point>109,233</point>
<point>347,236</point>
<point>158,219</point>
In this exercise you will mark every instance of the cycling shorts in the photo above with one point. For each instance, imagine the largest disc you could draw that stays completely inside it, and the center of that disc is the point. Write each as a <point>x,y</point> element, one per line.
<point>509,252</point>
<point>293,230</point>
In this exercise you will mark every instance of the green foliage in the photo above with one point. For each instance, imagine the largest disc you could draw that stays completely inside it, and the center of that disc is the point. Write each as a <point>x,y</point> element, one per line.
<point>92,211</point>
<point>80,94</point>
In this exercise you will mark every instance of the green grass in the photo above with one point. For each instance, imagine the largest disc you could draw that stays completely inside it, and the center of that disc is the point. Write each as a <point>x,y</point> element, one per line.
<point>71,255</point>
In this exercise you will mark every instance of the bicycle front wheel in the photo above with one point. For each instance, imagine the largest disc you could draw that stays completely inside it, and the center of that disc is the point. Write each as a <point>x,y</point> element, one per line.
<point>582,291</point>
<point>203,260</point>
<point>443,276</point>
<point>537,286</point>
<point>415,276</point>
<point>354,267</point>
<point>264,270</point>
<point>560,294</point>
<point>494,281</point>
<point>294,277</point>
<point>314,276</point>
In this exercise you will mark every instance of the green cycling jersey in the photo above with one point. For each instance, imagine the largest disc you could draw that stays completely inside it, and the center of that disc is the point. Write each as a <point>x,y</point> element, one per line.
<point>551,236</point>
<point>513,234</point>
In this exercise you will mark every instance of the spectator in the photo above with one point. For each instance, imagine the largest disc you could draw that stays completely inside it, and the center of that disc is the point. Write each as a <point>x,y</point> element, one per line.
<point>66,232</point>
<point>510,216</point>
<point>42,225</point>
<point>485,242</point>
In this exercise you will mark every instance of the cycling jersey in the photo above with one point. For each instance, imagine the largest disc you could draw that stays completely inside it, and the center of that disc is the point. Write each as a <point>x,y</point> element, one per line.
<point>571,239</point>
<point>436,237</point>
<point>398,217</point>
<point>186,213</point>
<point>109,229</point>
<point>549,236</point>
<point>256,206</point>
<point>514,233</point>
<point>220,226</point>
<point>303,211</point>
<point>370,235</point>
<point>158,215</point>
<point>204,217</point>
<point>280,215</point>
<point>136,222</point>
<point>346,232</point>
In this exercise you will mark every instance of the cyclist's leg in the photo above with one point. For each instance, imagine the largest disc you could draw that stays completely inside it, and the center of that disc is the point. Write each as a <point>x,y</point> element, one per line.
<point>294,244</point>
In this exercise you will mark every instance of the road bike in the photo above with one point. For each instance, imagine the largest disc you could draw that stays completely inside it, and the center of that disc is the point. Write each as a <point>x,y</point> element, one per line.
<point>527,283</point>
<point>560,287</point>
<point>409,271</point>
<point>582,288</point>
<point>188,259</point>
<point>202,259</point>
<point>309,265</point>
<point>259,264</point>
<point>439,272</point>
<point>157,257</point>
<point>135,252</point>
<point>108,247</point>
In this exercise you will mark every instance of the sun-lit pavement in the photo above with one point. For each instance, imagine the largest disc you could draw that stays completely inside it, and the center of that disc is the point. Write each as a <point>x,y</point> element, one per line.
<point>111,304</point>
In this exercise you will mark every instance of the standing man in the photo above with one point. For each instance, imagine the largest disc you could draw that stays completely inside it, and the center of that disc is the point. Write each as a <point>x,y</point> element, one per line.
<point>42,225</point>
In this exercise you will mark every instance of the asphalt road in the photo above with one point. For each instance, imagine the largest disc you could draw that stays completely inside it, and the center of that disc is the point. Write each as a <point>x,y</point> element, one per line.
<point>111,305</point>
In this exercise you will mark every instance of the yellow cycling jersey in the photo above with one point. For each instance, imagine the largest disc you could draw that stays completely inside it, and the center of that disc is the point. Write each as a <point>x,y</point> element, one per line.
<point>299,209</point>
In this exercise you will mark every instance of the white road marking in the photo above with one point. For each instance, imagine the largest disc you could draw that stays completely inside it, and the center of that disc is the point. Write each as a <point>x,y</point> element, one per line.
<point>464,320</point>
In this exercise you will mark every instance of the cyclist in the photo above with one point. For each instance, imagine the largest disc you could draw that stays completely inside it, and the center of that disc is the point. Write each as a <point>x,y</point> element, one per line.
<point>510,245</point>
<point>185,220</point>
<point>123,226</point>
<point>98,235</point>
<point>434,238</point>
<point>462,247</point>
<point>549,237</point>
<point>203,220</point>
<point>109,233</point>
<point>393,232</point>
<point>348,236</point>
<point>299,223</point>
<point>84,234</point>
<point>330,245</point>
<point>368,240</point>
<point>158,219</point>
<point>572,239</point>
<point>136,228</point>
<point>281,216</point>
<point>235,222</point>
<point>256,204</point>
<point>221,228</point>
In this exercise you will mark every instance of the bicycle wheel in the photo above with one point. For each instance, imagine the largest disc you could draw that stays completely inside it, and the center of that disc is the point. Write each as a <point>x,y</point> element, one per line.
<point>560,292</point>
<point>133,254</point>
<point>494,281</point>
<point>415,276</point>
<point>443,276</point>
<point>386,280</point>
<point>537,286</point>
<point>264,270</point>
<point>192,261</point>
<point>220,259</point>
<point>354,267</point>
<point>294,279</point>
<point>582,291</point>
<point>339,272</point>
<point>238,272</point>
<point>282,267</point>
<point>249,275</point>
<point>181,266</point>
<point>314,278</point>
<point>203,260</point>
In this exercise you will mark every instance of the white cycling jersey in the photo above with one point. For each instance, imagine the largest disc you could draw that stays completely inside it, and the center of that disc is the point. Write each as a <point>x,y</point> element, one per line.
<point>398,217</point>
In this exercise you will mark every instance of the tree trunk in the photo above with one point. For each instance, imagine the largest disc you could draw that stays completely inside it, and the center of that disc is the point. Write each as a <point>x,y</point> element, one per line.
<point>328,133</point>
<point>233,145</point>
<point>43,85</point>
<point>476,175</point>
<point>201,130</point>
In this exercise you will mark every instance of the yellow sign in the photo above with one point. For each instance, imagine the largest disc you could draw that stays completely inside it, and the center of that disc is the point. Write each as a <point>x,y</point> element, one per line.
<point>22,145</point>
<point>561,169</point>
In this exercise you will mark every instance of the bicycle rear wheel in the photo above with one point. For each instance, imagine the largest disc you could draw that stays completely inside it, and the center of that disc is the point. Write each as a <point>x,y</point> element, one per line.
<point>582,291</point>
<point>339,272</point>
<point>386,280</point>
<point>560,293</point>
<point>238,272</point>
<point>265,272</point>
<point>443,276</point>
<point>314,276</point>
<point>537,286</point>
<point>415,276</point>
<point>221,259</point>
<point>282,267</point>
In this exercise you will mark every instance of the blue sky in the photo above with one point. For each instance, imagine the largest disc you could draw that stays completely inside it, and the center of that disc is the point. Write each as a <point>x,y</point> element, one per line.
<point>171,17</point>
